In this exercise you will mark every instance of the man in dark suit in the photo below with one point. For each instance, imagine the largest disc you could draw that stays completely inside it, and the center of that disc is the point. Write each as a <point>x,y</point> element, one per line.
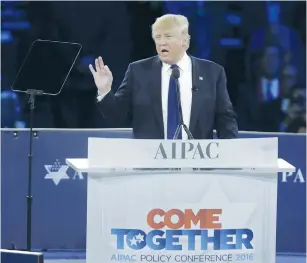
<point>147,95</point>
<point>262,101</point>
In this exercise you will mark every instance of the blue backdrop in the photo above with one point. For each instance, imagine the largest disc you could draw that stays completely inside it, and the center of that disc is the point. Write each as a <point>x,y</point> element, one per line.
<point>59,202</point>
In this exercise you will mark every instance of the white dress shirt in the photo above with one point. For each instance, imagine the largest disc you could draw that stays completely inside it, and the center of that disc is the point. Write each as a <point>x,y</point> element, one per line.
<point>185,82</point>
<point>273,85</point>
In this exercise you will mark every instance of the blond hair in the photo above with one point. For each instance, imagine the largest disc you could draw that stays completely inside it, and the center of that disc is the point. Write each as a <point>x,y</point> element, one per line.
<point>170,21</point>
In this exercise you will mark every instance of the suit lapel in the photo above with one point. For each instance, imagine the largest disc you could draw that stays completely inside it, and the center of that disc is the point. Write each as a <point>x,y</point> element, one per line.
<point>197,89</point>
<point>155,86</point>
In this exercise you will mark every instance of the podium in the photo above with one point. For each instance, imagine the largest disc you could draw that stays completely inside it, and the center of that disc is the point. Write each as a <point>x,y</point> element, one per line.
<point>181,201</point>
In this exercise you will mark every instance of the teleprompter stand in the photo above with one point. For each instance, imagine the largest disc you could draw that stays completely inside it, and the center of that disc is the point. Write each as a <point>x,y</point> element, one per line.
<point>33,94</point>
<point>43,73</point>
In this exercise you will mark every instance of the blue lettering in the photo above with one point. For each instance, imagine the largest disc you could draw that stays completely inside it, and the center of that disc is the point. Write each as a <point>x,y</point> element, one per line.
<point>206,239</point>
<point>221,239</point>
<point>120,236</point>
<point>170,239</point>
<point>246,241</point>
<point>159,242</point>
<point>123,257</point>
<point>225,237</point>
<point>191,237</point>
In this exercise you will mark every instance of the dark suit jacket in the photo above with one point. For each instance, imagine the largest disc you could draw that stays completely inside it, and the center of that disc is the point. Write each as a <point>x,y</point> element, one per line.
<point>139,100</point>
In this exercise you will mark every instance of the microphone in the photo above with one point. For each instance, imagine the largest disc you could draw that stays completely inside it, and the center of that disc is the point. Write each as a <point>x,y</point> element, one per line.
<point>176,76</point>
<point>176,73</point>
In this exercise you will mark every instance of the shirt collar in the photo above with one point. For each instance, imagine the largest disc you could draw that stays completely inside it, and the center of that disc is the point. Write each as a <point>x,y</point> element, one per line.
<point>183,64</point>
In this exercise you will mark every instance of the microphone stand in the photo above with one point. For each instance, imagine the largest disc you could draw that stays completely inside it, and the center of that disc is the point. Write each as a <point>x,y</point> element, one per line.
<point>181,123</point>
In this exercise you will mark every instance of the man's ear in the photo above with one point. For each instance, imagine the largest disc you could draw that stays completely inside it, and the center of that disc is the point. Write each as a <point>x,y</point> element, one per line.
<point>186,42</point>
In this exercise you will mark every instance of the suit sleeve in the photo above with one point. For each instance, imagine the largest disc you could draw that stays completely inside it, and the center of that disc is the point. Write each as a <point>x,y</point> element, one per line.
<point>225,118</point>
<point>116,108</point>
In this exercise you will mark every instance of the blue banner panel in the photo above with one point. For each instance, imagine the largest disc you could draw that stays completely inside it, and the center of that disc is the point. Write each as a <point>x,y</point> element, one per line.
<point>59,193</point>
<point>291,205</point>
<point>15,256</point>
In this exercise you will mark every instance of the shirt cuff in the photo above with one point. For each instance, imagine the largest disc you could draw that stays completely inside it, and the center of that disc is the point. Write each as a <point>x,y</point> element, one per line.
<point>101,96</point>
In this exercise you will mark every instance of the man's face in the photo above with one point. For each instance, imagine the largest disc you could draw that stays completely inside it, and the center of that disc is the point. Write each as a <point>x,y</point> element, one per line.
<point>271,61</point>
<point>170,44</point>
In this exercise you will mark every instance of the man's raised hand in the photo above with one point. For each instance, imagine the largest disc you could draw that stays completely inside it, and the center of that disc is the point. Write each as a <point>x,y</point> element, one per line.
<point>102,76</point>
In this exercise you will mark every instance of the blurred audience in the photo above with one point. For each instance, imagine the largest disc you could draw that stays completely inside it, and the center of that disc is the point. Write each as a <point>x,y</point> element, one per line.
<point>259,101</point>
<point>275,30</point>
<point>288,79</point>
<point>294,119</point>
<point>10,110</point>
<point>273,101</point>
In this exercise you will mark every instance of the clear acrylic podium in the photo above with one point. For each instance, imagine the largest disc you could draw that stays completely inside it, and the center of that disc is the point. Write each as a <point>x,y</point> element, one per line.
<point>181,201</point>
